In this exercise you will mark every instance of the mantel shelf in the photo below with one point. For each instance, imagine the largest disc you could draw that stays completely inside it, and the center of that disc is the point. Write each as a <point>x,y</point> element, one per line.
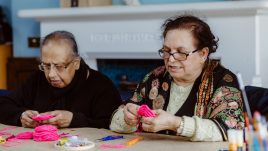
<point>151,11</point>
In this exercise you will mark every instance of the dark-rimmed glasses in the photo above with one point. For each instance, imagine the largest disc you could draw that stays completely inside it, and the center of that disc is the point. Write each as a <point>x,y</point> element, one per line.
<point>180,56</point>
<point>46,67</point>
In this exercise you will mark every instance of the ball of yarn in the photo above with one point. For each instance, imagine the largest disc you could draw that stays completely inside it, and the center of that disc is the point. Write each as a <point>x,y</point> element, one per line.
<point>46,133</point>
<point>45,128</point>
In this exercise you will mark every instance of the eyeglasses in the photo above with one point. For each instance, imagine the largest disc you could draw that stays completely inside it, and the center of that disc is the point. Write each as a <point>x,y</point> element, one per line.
<point>46,67</point>
<point>180,56</point>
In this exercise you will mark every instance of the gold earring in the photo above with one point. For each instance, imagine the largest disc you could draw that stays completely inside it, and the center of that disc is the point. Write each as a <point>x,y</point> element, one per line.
<point>203,60</point>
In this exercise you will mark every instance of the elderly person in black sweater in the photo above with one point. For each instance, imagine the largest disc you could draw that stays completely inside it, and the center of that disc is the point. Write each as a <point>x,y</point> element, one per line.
<point>65,87</point>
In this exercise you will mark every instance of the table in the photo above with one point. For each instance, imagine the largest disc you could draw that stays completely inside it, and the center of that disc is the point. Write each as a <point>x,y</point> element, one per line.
<point>151,141</point>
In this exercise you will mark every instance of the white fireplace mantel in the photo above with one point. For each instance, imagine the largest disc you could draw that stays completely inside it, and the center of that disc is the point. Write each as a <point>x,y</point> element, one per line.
<point>134,31</point>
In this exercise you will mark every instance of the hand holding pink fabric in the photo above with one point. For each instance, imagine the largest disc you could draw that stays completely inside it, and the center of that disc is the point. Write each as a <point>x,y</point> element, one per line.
<point>131,114</point>
<point>26,118</point>
<point>61,118</point>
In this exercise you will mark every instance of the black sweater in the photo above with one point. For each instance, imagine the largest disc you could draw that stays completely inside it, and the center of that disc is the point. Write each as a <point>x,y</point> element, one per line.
<point>92,99</point>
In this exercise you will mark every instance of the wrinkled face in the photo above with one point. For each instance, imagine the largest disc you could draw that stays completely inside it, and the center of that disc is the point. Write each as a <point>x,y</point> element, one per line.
<point>182,40</point>
<point>59,63</point>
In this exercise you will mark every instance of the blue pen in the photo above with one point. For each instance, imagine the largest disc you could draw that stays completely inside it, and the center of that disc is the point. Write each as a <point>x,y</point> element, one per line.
<point>111,137</point>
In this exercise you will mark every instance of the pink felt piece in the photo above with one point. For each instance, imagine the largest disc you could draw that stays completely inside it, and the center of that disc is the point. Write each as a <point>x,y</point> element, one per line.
<point>144,110</point>
<point>42,117</point>
<point>106,146</point>
<point>25,135</point>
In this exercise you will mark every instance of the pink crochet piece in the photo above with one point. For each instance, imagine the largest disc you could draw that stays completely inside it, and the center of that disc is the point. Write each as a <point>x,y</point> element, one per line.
<point>42,117</point>
<point>46,133</point>
<point>144,110</point>
<point>25,135</point>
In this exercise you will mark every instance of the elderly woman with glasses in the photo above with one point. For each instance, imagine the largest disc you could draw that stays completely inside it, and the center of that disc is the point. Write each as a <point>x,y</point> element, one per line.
<point>192,95</point>
<point>66,89</point>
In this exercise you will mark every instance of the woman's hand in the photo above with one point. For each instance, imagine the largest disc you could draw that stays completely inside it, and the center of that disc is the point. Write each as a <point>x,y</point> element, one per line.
<point>61,118</point>
<point>26,118</point>
<point>162,121</point>
<point>131,114</point>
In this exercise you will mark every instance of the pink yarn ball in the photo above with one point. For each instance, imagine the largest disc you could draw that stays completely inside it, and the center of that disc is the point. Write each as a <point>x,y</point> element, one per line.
<point>45,128</point>
<point>46,133</point>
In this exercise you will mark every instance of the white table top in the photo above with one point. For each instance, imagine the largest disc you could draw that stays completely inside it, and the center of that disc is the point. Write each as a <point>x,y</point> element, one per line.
<point>155,142</point>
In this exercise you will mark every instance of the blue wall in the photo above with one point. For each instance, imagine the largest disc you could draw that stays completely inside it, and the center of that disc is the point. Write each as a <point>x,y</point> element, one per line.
<point>24,28</point>
<point>120,2</point>
<point>5,4</point>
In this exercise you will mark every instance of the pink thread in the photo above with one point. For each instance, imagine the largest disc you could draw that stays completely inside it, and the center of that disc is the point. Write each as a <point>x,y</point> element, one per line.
<point>40,118</point>
<point>3,133</point>
<point>25,135</point>
<point>46,133</point>
<point>144,110</point>
<point>106,146</point>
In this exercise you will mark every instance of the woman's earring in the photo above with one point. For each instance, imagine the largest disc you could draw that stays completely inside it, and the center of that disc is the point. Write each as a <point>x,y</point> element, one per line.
<point>203,60</point>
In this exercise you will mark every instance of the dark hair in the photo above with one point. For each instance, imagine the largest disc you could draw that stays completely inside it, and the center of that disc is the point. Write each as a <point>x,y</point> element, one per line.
<point>200,30</point>
<point>61,35</point>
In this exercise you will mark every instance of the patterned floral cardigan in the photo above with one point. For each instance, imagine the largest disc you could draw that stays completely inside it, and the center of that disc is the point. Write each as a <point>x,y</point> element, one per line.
<point>215,95</point>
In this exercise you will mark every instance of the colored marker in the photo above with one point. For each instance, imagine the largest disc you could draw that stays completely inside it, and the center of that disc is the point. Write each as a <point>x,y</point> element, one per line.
<point>111,137</point>
<point>134,141</point>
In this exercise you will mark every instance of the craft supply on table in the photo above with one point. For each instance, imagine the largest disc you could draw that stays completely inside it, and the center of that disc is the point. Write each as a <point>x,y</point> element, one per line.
<point>25,135</point>
<point>46,133</point>
<point>106,146</point>
<point>110,137</point>
<point>74,143</point>
<point>134,141</point>
<point>2,140</point>
<point>124,145</point>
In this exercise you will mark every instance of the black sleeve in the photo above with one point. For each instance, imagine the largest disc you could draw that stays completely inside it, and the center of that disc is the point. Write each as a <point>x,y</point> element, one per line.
<point>106,101</point>
<point>12,105</point>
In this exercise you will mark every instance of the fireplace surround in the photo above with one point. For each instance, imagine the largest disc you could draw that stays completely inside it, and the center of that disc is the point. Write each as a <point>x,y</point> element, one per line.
<point>133,32</point>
